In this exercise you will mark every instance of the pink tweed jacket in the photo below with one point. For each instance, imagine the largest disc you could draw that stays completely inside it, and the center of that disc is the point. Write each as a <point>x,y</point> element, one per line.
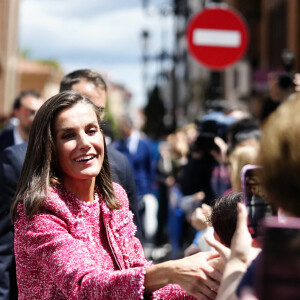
<point>77,250</point>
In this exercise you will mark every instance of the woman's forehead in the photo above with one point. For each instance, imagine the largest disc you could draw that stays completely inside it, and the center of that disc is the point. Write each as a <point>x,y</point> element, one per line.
<point>79,113</point>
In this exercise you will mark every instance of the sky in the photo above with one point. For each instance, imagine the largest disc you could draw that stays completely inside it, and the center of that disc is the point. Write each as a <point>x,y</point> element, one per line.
<point>104,35</point>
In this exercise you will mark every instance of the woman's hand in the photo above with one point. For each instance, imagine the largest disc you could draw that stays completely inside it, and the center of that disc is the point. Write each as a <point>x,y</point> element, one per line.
<point>192,273</point>
<point>196,276</point>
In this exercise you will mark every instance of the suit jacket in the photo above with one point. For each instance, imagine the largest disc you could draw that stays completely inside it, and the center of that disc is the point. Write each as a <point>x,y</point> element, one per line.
<point>121,173</point>
<point>11,163</point>
<point>6,138</point>
<point>140,162</point>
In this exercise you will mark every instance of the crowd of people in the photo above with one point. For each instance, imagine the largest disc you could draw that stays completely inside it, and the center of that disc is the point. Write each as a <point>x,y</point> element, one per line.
<point>79,207</point>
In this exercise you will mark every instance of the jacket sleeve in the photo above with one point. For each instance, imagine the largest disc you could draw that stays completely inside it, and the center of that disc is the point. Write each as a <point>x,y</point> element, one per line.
<point>10,167</point>
<point>46,241</point>
<point>171,292</point>
<point>137,258</point>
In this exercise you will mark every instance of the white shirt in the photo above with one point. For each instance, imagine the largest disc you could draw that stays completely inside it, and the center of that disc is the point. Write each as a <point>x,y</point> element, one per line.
<point>17,137</point>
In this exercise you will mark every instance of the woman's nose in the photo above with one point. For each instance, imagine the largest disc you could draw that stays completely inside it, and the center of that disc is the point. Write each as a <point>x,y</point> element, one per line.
<point>83,141</point>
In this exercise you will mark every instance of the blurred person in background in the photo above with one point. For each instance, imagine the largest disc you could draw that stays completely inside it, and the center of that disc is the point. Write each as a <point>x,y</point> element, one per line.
<point>173,156</point>
<point>196,174</point>
<point>241,156</point>
<point>25,107</point>
<point>191,132</point>
<point>238,157</point>
<point>165,178</point>
<point>213,127</point>
<point>243,132</point>
<point>137,147</point>
<point>179,148</point>
<point>281,86</point>
<point>194,179</point>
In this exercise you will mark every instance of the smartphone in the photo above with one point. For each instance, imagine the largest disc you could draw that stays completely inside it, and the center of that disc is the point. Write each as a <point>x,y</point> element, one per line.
<point>278,268</point>
<point>255,198</point>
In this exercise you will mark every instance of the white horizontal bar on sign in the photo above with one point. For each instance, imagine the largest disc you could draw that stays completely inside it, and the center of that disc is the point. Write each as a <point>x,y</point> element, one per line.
<point>217,38</point>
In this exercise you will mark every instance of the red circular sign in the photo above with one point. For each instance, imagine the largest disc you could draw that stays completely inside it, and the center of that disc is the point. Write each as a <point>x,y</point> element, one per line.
<point>217,37</point>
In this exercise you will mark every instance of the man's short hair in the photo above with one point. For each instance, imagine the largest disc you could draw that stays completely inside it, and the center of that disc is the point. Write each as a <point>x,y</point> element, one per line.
<point>74,77</point>
<point>224,216</point>
<point>17,102</point>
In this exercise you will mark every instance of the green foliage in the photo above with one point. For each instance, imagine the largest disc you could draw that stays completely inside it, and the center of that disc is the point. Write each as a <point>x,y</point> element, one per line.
<point>49,62</point>
<point>27,54</point>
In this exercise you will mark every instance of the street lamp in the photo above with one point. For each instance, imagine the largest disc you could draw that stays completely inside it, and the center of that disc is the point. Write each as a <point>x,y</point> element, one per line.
<point>145,39</point>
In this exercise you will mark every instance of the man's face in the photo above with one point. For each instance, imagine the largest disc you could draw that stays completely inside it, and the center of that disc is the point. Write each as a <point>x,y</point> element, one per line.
<point>94,93</point>
<point>124,129</point>
<point>26,113</point>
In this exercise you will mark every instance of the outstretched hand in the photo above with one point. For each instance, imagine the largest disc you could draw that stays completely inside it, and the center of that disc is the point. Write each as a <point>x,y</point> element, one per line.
<point>200,216</point>
<point>196,276</point>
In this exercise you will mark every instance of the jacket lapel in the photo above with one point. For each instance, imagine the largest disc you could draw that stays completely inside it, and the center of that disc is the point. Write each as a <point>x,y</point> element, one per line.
<point>112,235</point>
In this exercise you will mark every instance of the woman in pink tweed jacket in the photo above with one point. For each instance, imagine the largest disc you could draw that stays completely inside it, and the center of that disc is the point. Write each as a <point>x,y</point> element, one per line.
<point>74,234</point>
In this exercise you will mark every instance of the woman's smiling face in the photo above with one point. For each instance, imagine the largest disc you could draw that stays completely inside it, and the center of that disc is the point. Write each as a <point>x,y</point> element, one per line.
<point>79,142</point>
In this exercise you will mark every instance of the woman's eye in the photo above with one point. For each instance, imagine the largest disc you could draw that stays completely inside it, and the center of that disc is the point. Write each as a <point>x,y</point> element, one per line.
<point>68,136</point>
<point>92,131</point>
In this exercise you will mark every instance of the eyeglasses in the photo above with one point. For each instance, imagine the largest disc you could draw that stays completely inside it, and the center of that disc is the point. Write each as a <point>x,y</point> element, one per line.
<point>101,110</point>
<point>27,111</point>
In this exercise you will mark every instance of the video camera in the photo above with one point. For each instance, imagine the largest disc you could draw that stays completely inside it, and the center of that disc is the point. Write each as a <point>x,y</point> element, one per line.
<point>208,130</point>
<point>211,125</point>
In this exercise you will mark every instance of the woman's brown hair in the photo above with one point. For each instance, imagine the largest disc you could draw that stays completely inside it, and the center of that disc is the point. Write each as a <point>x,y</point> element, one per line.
<point>280,156</point>
<point>41,168</point>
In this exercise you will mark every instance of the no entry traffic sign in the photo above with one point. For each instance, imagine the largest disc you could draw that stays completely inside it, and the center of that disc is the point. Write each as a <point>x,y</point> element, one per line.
<point>217,37</point>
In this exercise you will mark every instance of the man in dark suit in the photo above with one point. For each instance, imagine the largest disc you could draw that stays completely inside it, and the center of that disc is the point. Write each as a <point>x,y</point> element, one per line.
<point>11,162</point>
<point>25,107</point>
<point>90,84</point>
